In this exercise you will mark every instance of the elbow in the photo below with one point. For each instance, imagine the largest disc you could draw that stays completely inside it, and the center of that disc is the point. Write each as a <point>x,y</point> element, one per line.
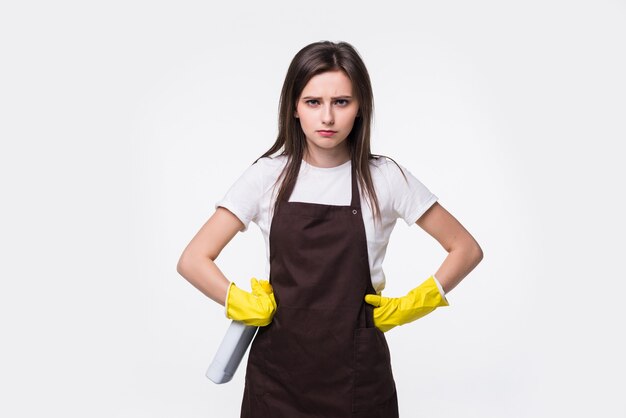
<point>189,262</point>
<point>469,247</point>
<point>471,252</point>
<point>477,253</point>
<point>182,267</point>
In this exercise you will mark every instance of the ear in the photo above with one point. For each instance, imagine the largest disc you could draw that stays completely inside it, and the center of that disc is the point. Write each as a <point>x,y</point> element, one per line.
<point>295,114</point>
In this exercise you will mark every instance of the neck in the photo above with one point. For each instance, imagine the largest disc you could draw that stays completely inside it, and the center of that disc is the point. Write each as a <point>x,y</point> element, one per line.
<point>326,159</point>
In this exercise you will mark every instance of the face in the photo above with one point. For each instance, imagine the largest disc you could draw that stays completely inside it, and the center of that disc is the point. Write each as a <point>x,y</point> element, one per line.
<point>327,109</point>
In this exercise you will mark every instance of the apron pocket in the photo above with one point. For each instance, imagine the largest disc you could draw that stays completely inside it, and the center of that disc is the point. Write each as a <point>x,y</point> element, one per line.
<point>373,379</point>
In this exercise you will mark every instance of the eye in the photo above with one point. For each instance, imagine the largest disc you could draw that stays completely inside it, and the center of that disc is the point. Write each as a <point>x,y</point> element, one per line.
<point>341,102</point>
<point>312,102</point>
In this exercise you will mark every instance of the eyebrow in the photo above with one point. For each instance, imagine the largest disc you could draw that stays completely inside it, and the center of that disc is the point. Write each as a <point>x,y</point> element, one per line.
<point>332,98</point>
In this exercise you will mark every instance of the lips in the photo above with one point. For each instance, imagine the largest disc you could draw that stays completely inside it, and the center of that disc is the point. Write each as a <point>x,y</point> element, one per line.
<point>327,133</point>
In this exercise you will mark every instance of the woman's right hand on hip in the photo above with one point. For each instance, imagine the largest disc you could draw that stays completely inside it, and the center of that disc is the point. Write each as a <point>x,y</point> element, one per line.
<point>254,308</point>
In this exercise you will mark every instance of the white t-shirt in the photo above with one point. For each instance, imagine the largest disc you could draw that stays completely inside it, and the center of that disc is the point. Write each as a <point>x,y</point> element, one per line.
<point>251,198</point>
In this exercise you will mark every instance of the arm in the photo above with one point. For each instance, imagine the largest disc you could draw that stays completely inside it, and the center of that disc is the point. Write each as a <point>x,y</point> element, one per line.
<point>196,264</point>
<point>464,253</point>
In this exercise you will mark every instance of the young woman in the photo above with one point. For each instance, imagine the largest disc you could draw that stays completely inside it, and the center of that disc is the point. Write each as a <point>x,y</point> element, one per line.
<point>326,207</point>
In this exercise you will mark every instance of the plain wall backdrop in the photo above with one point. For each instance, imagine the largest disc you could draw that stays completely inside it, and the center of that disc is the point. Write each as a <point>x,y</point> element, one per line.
<point>122,123</point>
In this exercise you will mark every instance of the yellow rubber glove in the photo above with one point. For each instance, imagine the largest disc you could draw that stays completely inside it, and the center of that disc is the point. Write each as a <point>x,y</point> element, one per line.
<point>256,308</point>
<point>391,312</point>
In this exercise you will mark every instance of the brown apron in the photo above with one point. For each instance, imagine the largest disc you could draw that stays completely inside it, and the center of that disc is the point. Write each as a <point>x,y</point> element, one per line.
<point>321,356</point>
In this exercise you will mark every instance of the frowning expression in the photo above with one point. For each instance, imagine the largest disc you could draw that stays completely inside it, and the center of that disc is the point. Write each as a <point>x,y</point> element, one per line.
<point>327,109</point>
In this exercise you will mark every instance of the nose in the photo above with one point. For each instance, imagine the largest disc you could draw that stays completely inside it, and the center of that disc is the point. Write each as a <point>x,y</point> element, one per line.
<point>328,117</point>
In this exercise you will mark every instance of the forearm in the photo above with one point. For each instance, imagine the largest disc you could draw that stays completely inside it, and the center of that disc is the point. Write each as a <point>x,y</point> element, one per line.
<point>459,262</point>
<point>204,275</point>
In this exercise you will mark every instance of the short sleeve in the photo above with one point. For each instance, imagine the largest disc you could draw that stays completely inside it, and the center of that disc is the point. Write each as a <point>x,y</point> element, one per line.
<point>410,197</point>
<point>244,196</point>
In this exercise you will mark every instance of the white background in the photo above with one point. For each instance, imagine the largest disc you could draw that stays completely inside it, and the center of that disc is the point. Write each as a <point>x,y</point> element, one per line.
<point>122,123</point>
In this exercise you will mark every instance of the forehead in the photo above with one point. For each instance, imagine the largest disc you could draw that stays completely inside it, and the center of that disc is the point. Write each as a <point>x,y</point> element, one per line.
<point>329,83</point>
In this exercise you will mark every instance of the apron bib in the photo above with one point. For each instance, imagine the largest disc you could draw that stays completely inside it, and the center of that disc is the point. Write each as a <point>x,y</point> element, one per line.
<point>321,356</point>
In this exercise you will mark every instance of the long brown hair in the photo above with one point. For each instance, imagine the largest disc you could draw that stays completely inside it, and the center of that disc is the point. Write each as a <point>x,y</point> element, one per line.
<point>311,60</point>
